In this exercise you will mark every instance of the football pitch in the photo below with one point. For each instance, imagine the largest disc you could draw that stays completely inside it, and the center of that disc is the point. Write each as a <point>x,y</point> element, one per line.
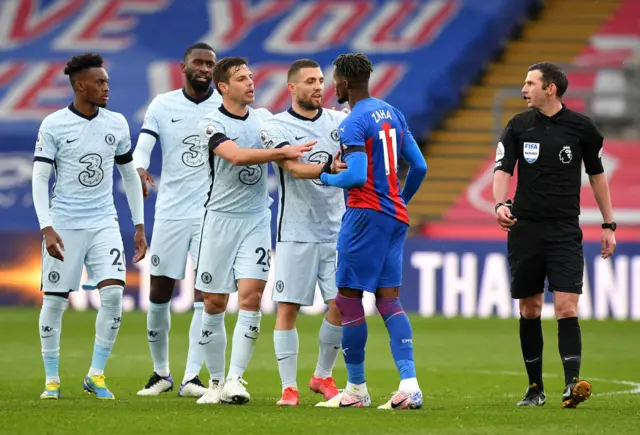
<point>470,371</point>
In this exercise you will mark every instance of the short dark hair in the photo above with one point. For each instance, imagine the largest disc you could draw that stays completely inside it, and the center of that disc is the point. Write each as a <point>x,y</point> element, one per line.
<point>81,63</point>
<point>224,65</point>
<point>197,46</point>
<point>355,67</point>
<point>300,64</point>
<point>552,73</point>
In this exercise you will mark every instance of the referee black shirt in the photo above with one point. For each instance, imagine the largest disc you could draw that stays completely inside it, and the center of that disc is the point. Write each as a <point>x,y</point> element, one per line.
<point>549,151</point>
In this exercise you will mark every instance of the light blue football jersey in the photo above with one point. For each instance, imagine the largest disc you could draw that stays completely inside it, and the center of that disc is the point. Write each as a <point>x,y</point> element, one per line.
<point>236,189</point>
<point>83,151</point>
<point>173,118</point>
<point>309,211</point>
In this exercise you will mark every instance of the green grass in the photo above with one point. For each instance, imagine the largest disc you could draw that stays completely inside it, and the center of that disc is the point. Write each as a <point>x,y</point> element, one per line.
<point>470,371</point>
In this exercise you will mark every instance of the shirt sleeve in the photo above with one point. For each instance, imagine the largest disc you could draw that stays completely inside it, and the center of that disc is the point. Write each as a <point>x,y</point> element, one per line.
<point>40,192</point>
<point>273,135</point>
<point>507,150</point>
<point>123,150</point>
<point>210,125</point>
<point>352,133</point>
<point>592,147</point>
<point>46,144</point>
<point>150,123</point>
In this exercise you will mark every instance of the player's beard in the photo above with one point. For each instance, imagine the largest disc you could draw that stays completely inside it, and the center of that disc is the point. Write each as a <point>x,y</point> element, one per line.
<point>309,104</point>
<point>198,86</point>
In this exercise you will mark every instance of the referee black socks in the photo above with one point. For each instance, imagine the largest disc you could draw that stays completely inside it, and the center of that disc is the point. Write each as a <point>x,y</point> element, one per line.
<point>570,347</point>
<point>531,342</point>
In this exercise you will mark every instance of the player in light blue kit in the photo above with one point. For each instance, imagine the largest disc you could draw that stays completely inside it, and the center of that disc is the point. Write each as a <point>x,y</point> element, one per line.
<point>81,143</point>
<point>371,242</point>
<point>309,217</point>
<point>235,243</point>
<point>173,119</point>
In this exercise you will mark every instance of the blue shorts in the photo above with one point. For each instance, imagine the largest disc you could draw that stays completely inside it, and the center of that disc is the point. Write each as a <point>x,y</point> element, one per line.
<point>370,249</point>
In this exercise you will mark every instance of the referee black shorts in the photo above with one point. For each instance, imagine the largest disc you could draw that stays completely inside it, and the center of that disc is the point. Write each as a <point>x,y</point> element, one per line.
<point>551,249</point>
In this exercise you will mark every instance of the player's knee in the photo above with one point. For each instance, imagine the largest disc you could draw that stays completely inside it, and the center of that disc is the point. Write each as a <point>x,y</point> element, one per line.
<point>215,303</point>
<point>286,316</point>
<point>111,296</point>
<point>161,289</point>
<point>198,296</point>
<point>566,309</point>
<point>350,308</point>
<point>531,307</point>
<point>388,307</point>
<point>250,301</point>
<point>333,313</point>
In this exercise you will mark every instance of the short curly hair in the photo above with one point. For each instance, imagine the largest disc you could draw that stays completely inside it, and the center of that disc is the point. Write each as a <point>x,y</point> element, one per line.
<point>81,63</point>
<point>355,67</point>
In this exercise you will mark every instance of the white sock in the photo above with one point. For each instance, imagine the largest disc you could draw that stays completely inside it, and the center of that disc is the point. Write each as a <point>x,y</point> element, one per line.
<point>409,386</point>
<point>330,339</point>
<point>50,325</point>
<point>245,336</point>
<point>358,390</point>
<point>213,341</point>
<point>158,326</point>
<point>286,345</point>
<point>108,323</point>
<point>195,356</point>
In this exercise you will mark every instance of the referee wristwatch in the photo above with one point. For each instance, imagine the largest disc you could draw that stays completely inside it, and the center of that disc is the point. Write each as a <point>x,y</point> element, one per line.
<point>609,226</point>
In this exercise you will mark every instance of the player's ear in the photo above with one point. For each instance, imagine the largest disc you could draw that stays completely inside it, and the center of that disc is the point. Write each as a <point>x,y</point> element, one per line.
<point>291,87</point>
<point>183,67</point>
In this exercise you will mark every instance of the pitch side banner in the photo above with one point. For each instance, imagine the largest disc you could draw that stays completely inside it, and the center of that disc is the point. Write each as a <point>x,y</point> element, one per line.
<point>447,278</point>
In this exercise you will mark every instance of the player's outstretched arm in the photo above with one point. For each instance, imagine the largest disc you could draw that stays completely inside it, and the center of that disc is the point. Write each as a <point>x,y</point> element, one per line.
<point>133,192</point>
<point>417,167</point>
<point>311,171</point>
<point>355,175</point>
<point>237,156</point>
<point>142,159</point>
<point>40,192</point>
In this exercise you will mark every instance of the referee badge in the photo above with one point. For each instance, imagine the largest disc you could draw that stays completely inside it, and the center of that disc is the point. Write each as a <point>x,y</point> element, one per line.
<point>531,151</point>
<point>565,155</point>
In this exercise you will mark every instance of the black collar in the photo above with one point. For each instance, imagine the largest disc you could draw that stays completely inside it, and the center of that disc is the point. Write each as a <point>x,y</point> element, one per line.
<point>554,117</point>
<point>82,115</point>
<point>303,118</point>
<point>193,100</point>
<point>231,115</point>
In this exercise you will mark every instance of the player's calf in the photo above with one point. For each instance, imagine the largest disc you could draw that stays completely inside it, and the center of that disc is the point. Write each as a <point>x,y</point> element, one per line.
<point>401,340</point>
<point>286,345</point>
<point>330,341</point>
<point>107,325</point>
<point>50,325</point>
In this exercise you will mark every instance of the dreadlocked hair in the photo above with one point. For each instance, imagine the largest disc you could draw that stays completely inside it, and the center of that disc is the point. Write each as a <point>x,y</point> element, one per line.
<point>355,67</point>
<point>81,63</point>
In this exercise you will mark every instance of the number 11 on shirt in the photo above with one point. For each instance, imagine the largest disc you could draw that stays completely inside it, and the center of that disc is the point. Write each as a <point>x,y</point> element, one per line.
<point>388,137</point>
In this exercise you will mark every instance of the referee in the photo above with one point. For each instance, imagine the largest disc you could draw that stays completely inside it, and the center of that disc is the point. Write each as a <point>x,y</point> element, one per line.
<point>549,144</point>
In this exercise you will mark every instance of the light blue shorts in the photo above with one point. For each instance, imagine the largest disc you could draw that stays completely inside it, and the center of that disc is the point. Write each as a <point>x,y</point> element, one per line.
<point>232,248</point>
